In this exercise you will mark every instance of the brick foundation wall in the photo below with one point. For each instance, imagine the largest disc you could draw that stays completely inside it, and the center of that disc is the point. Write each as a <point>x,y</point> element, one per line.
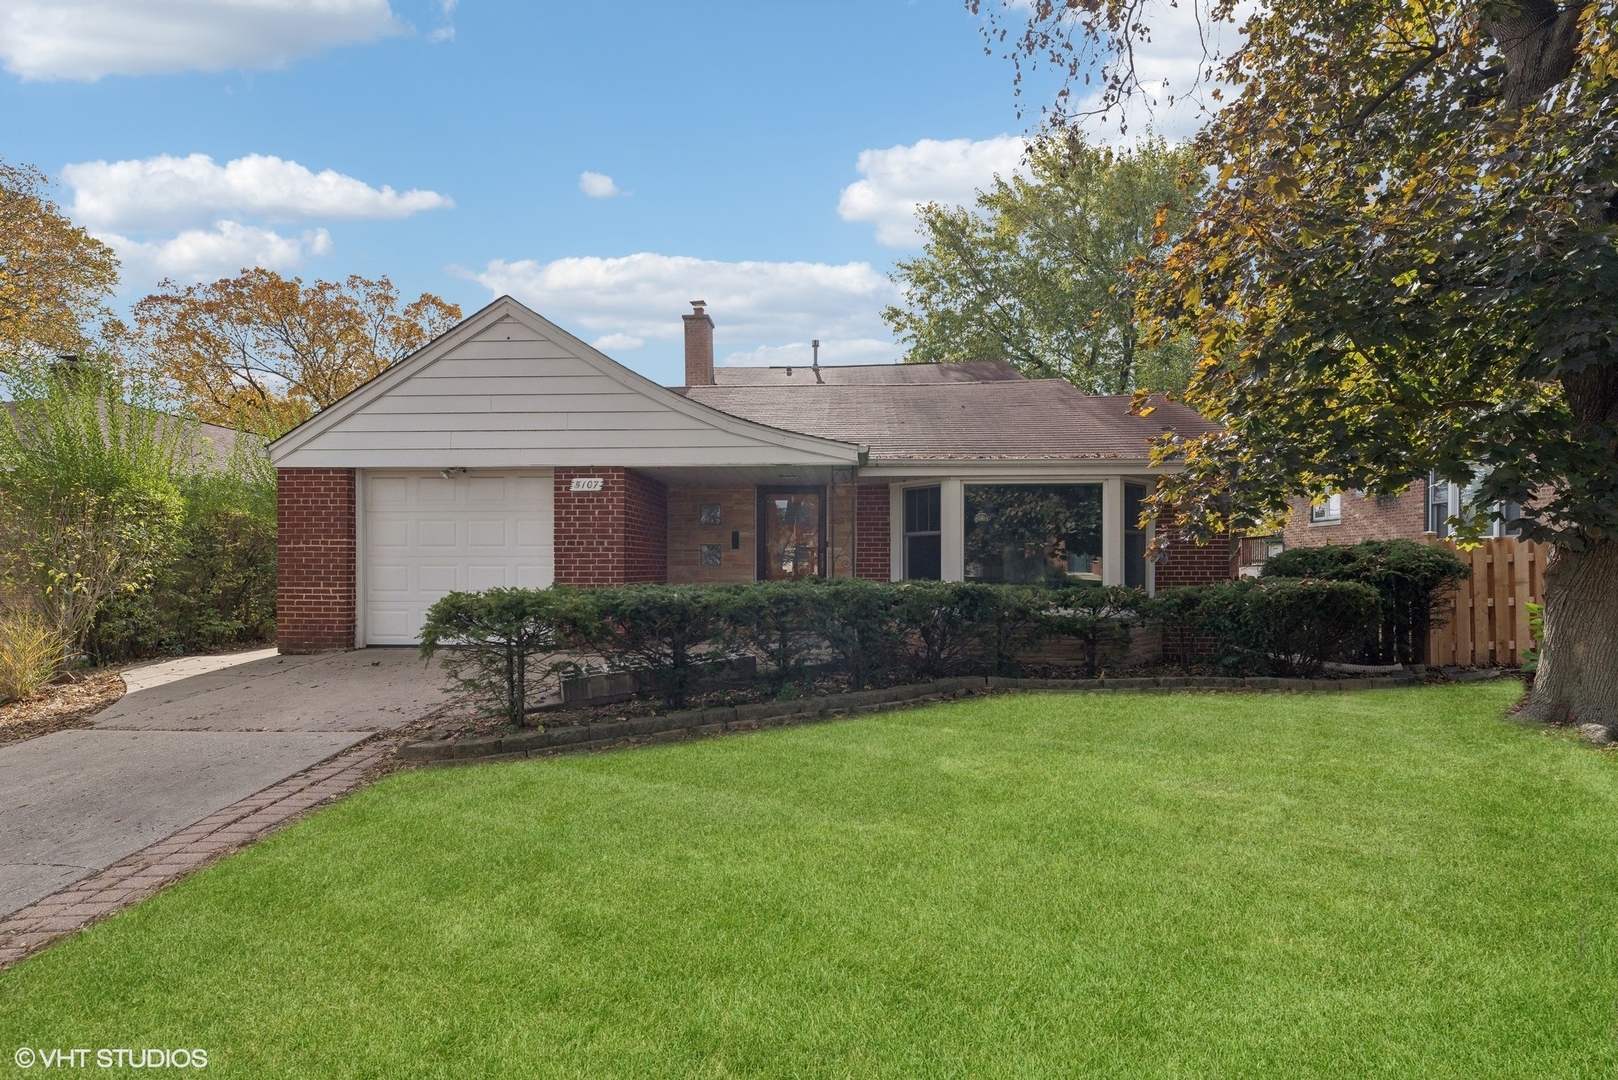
<point>872,540</point>
<point>1364,517</point>
<point>615,536</point>
<point>738,513</point>
<point>314,560</point>
<point>1194,564</point>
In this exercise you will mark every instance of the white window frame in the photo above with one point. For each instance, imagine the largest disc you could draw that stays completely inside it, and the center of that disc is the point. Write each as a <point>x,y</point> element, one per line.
<point>1327,511</point>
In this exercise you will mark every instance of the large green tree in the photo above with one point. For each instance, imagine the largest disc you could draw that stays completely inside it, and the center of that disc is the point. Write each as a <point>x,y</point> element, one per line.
<point>1406,261</point>
<point>1037,272</point>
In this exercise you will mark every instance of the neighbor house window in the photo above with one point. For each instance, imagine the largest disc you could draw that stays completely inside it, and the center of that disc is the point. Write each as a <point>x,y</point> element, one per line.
<point>1438,510</point>
<point>1327,511</point>
<point>1023,533</point>
<point>923,551</point>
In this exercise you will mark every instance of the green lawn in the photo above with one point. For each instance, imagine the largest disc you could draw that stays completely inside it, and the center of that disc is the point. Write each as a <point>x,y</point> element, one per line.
<point>1393,883</point>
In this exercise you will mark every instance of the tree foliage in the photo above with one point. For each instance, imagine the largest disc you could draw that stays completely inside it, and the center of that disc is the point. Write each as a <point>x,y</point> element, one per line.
<point>1038,271</point>
<point>54,276</point>
<point>89,498</point>
<point>1406,262</point>
<point>266,352</point>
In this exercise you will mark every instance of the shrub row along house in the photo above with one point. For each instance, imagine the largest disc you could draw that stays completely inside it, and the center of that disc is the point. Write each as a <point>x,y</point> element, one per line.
<point>510,453</point>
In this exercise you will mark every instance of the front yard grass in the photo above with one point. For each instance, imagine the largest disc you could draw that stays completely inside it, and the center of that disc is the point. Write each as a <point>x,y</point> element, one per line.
<point>1393,883</point>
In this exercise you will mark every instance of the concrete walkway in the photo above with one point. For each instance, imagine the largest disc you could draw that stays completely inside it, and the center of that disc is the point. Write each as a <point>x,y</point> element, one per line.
<point>192,737</point>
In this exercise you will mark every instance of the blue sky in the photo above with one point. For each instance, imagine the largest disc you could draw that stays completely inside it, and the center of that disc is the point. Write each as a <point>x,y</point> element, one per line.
<point>762,156</point>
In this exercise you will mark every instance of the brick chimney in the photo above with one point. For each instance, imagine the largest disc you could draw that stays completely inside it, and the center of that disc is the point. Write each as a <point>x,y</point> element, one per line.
<point>698,346</point>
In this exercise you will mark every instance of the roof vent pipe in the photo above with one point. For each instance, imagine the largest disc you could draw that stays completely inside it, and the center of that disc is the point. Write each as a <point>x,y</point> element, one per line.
<point>698,345</point>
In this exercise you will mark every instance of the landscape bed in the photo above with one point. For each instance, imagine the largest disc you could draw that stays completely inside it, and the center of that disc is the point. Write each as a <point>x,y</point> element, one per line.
<point>1400,884</point>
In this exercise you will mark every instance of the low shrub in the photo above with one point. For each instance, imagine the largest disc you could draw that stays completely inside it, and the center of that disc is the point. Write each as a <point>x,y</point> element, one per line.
<point>503,645</point>
<point>1413,583</point>
<point>1271,625</point>
<point>669,631</point>
<point>783,623</point>
<point>31,653</point>
<point>1099,618</point>
<point>864,630</point>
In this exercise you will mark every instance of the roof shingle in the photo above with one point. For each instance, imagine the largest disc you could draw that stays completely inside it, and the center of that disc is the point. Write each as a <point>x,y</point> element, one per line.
<point>1014,419</point>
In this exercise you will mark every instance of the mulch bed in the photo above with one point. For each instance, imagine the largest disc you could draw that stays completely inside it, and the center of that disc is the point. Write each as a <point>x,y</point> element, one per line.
<point>58,708</point>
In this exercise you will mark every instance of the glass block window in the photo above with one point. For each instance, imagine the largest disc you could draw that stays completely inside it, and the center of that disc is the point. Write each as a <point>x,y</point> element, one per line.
<point>709,514</point>
<point>710,554</point>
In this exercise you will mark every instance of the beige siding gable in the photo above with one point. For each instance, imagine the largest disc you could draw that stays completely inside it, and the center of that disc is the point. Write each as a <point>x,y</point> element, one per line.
<point>508,389</point>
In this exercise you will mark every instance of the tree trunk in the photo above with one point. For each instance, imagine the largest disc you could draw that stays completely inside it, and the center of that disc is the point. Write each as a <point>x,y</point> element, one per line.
<point>1577,681</point>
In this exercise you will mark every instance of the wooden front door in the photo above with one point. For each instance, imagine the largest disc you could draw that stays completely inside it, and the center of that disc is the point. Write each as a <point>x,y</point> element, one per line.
<point>791,533</point>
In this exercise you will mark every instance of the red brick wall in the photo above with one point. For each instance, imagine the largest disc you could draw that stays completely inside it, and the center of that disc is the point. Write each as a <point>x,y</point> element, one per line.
<point>615,536</point>
<point>646,531</point>
<point>872,539</point>
<point>1184,563</point>
<point>1364,517</point>
<point>315,559</point>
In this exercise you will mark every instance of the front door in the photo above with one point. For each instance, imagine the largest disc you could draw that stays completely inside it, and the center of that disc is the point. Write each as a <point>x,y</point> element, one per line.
<point>791,533</point>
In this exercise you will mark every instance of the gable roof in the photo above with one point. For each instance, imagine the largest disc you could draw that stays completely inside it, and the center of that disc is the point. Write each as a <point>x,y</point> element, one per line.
<point>1022,419</point>
<point>507,388</point>
<point>970,371</point>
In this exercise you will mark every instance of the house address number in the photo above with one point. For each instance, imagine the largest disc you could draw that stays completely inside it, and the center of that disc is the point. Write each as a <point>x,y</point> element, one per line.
<point>586,483</point>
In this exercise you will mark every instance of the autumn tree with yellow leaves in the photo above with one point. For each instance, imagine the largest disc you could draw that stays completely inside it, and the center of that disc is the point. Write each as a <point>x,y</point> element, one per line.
<point>266,352</point>
<point>54,276</point>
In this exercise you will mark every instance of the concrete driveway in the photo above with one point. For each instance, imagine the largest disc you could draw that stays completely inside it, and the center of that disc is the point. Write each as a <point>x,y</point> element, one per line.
<point>191,737</point>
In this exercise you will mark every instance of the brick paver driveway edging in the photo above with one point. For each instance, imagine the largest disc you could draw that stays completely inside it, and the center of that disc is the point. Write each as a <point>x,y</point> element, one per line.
<point>138,876</point>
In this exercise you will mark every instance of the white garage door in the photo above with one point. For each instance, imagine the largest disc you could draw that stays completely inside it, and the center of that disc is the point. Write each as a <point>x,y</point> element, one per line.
<point>426,535</point>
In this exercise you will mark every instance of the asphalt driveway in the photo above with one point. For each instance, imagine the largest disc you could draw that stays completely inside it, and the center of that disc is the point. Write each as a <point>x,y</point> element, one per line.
<point>192,736</point>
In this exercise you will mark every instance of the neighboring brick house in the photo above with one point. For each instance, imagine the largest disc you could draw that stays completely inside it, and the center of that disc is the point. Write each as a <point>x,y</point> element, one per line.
<point>508,452</point>
<point>1423,510</point>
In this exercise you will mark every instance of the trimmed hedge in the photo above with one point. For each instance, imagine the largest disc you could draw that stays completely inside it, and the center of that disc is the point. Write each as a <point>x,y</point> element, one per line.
<point>876,633</point>
<point>1271,625</point>
<point>1413,583</point>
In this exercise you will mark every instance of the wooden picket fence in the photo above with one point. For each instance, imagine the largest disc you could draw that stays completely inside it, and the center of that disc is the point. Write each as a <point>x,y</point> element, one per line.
<point>1488,626</point>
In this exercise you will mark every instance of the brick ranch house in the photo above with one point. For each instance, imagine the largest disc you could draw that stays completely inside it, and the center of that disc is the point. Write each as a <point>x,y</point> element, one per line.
<point>510,453</point>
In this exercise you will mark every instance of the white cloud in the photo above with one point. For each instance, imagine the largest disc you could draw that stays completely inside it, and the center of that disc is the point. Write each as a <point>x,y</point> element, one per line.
<point>169,192</point>
<point>447,31</point>
<point>1176,100</point>
<point>901,178</point>
<point>207,254</point>
<point>87,39</point>
<point>802,353</point>
<point>597,185</point>
<point>755,305</point>
<point>619,342</point>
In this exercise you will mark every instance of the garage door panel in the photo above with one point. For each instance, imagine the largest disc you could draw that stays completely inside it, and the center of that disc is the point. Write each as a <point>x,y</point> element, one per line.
<point>486,533</point>
<point>437,532</point>
<point>436,580</point>
<point>427,535</point>
<point>435,490</point>
<point>389,491</point>
<point>390,578</point>
<point>479,578</point>
<point>486,489</point>
<point>390,532</point>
